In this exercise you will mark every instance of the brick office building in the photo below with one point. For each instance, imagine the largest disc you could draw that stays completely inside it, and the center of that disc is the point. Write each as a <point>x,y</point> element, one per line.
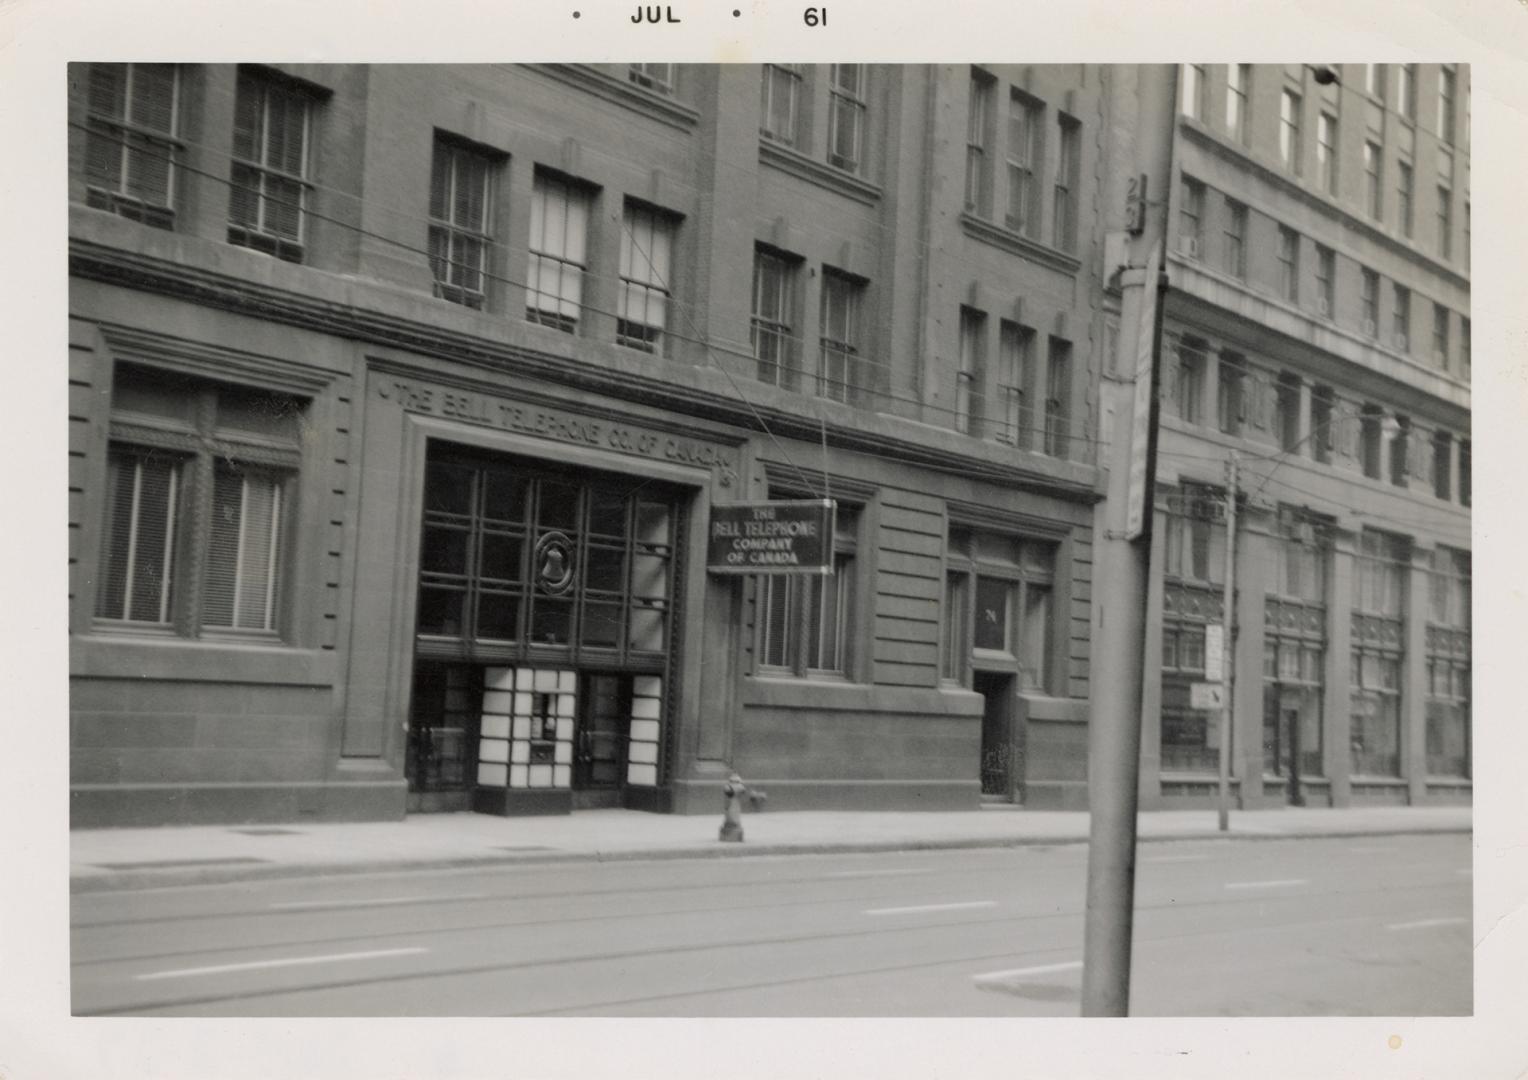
<point>1319,327</point>
<point>400,396</point>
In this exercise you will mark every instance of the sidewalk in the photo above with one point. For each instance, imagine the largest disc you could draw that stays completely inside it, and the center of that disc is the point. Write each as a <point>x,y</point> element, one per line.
<point>145,858</point>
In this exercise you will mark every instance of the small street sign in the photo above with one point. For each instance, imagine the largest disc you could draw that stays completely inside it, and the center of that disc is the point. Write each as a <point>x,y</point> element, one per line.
<point>1215,652</point>
<point>1206,695</point>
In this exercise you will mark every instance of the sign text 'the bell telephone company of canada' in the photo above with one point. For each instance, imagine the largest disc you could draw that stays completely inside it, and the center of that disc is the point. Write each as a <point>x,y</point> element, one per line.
<point>786,537</point>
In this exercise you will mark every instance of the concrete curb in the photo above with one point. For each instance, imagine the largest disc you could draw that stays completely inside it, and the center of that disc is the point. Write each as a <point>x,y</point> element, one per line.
<point>221,875</point>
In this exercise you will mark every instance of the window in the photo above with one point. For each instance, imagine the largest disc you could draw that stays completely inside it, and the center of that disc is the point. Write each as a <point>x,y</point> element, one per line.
<point>1064,221</point>
<point>1193,91</point>
<point>1188,384</point>
<point>1234,250</point>
<point>1464,472</point>
<point>1408,94</point>
<point>1448,665</point>
<point>1369,301</point>
<point>1289,264</point>
<point>1400,451</point>
<point>978,135</point>
<point>1443,463</point>
<point>1300,553</point>
<point>267,208</point>
<point>1440,336</point>
<point>1374,81</point>
<point>1013,374</point>
<point>1374,155</point>
<point>1326,280</point>
<point>1404,191</point>
<point>1466,235</point>
<point>1289,131</point>
<point>779,102</point>
<point>1287,412</point>
<point>1464,349</point>
<point>1231,395</point>
<point>1025,152</point>
<point>460,223</point>
<point>843,374</point>
<point>1371,441</point>
<point>1382,565</point>
<point>772,327</point>
<point>558,241</point>
<point>804,620</point>
<point>130,144</point>
<point>1326,152</point>
<point>1190,218</point>
<point>1238,81</point>
<point>999,593</point>
<point>642,300</point>
<point>846,116</point>
<point>1058,399</point>
<point>198,492</point>
<point>1446,79</point>
<point>1196,537</point>
<point>970,379</point>
<point>1402,323</point>
<point>657,77</point>
<point>1321,413</point>
<point>1445,221</point>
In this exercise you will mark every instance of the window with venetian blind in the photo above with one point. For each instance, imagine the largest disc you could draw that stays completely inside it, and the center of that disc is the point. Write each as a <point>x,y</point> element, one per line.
<point>460,222</point>
<point>804,619</point>
<point>559,238</point>
<point>200,483</point>
<point>132,111</point>
<point>267,208</point>
<point>647,249</point>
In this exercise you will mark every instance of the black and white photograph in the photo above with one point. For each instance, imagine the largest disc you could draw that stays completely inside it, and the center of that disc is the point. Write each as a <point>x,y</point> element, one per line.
<point>557,542</point>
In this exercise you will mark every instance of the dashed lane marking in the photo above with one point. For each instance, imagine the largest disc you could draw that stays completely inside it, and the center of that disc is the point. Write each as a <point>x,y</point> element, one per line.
<point>1281,883</point>
<point>877,873</point>
<point>932,907</point>
<point>293,905</point>
<point>1422,923</point>
<point>1174,858</point>
<point>1019,973</point>
<point>291,961</point>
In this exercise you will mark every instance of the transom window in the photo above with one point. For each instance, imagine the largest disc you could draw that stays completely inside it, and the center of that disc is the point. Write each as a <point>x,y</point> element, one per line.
<point>804,619</point>
<point>267,208</point>
<point>199,491</point>
<point>846,116</point>
<point>460,222</point>
<point>130,145</point>
<point>558,251</point>
<point>647,242</point>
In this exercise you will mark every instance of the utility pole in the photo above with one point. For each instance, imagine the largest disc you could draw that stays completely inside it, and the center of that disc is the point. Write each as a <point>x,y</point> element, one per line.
<point>1227,710</point>
<point>1121,558</point>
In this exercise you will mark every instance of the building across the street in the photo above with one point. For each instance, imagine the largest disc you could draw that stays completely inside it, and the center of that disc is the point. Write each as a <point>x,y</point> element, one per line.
<point>1318,329</point>
<point>401,397</point>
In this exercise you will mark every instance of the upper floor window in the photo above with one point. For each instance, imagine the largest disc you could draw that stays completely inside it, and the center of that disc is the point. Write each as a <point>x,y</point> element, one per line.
<point>1382,563</point>
<point>199,485</point>
<point>1408,95</point>
<point>642,300</point>
<point>1238,81</point>
<point>846,117</point>
<point>1195,548</point>
<point>1234,250</point>
<point>1446,79</point>
<point>1188,381</point>
<point>1374,156</point>
<point>1400,451</point>
<point>130,143</point>
<point>1404,193</point>
<point>1374,81</point>
<point>1402,326</point>
<point>1299,553</point>
<point>658,77</point>
<point>773,325</point>
<point>1191,218</point>
<point>1443,461</point>
<point>1322,412</point>
<point>1464,473</point>
<point>970,379</point>
<point>1464,348</point>
<point>843,374</point>
<point>978,139</point>
<point>1193,91</point>
<point>1326,281</point>
<point>1440,336</point>
<point>1064,219</point>
<point>1368,300</point>
<point>1289,264</point>
<point>779,103</point>
<point>1326,152</point>
<point>1058,399</point>
<point>267,210</point>
<point>1289,130</point>
<point>558,243</point>
<point>1026,138</point>
<point>1231,394</point>
<point>460,222</point>
<point>1445,221</point>
<point>1015,345</point>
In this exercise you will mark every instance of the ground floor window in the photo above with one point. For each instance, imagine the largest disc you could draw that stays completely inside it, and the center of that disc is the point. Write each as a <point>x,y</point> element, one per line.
<point>1448,718</point>
<point>999,606</point>
<point>1190,737</point>
<point>804,620</point>
<point>1375,716</point>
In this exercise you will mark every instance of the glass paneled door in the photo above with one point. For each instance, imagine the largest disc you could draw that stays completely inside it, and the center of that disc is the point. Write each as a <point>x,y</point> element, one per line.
<point>600,741</point>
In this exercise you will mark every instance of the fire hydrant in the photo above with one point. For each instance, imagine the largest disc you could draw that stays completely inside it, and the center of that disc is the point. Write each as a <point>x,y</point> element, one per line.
<point>732,814</point>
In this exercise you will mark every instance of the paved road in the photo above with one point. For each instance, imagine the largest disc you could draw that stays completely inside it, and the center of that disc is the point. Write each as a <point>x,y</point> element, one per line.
<point>1376,926</point>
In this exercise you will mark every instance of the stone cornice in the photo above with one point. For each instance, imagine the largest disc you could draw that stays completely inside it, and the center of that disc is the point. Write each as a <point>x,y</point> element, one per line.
<point>132,270</point>
<point>1018,244</point>
<point>625,94</point>
<point>817,172</point>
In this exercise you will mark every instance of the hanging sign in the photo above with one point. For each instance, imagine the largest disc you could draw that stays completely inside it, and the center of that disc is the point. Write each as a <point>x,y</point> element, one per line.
<point>1206,695</point>
<point>1138,493</point>
<point>783,537</point>
<point>1215,652</point>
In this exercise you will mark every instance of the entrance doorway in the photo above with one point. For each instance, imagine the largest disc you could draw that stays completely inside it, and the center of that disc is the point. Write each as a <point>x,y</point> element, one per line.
<point>1291,738</point>
<point>600,740</point>
<point>999,760</point>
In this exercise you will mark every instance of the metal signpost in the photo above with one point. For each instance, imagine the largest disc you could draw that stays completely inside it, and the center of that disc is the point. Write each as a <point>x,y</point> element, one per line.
<point>1229,624</point>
